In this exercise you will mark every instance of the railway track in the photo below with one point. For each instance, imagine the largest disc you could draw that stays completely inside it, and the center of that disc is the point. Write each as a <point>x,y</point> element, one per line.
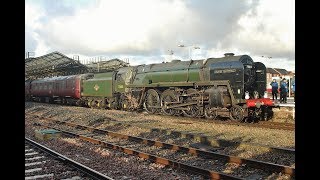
<point>44,163</point>
<point>277,125</point>
<point>222,143</point>
<point>223,120</point>
<point>216,142</point>
<point>260,124</point>
<point>175,155</point>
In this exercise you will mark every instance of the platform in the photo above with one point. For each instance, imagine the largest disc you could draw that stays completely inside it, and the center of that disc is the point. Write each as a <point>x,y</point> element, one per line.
<point>290,103</point>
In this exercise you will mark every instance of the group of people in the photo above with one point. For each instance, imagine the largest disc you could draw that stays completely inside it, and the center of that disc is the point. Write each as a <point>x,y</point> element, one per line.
<point>283,90</point>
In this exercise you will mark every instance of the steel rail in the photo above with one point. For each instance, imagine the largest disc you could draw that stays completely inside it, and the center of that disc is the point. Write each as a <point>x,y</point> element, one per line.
<point>260,124</point>
<point>84,169</point>
<point>270,124</point>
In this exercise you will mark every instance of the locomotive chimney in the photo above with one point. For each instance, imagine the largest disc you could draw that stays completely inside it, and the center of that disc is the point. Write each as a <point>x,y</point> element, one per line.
<point>228,54</point>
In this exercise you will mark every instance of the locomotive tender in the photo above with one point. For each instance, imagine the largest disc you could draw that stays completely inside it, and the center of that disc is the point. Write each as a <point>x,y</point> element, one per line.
<point>232,85</point>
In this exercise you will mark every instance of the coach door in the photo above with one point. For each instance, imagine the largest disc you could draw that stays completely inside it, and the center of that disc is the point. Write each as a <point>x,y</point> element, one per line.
<point>57,88</point>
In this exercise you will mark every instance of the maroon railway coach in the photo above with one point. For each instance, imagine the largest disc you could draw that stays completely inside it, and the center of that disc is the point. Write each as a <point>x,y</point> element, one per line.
<point>66,89</point>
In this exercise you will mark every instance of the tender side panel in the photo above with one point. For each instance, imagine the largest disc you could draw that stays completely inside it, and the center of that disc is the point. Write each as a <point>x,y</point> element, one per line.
<point>100,85</point>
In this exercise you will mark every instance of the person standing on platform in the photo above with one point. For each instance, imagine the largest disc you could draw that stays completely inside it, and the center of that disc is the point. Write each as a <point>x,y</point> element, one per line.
<point>284,90</point>
<point>274,86</point>
<point>280,90</point>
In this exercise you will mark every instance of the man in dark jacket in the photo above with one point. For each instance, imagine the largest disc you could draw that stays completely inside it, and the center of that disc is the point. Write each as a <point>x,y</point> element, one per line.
<point>284,90</point>
<point>274,86</point>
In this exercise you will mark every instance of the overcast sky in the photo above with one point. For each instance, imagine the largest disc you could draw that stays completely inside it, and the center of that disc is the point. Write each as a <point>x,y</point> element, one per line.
<point>145,31</point>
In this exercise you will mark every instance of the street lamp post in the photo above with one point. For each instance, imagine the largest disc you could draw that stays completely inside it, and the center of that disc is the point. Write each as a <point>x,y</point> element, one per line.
<point>191,46</point>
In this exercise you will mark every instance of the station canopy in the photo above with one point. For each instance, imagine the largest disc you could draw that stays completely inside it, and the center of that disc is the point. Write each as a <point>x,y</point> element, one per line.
<point>58,64</point>
<point>53,64</point>
<point>106,66</point>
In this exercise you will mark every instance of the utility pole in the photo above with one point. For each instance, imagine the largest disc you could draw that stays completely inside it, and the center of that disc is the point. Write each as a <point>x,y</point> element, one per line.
<point>29,54</point>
